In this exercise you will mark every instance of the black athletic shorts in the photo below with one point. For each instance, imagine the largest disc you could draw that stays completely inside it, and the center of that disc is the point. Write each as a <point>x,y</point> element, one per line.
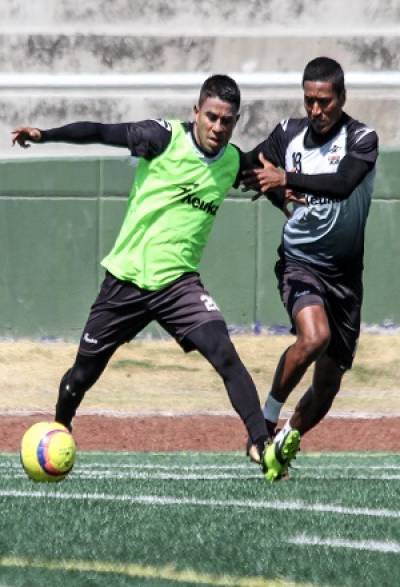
<point>301,286</point>
<point>121,310</point>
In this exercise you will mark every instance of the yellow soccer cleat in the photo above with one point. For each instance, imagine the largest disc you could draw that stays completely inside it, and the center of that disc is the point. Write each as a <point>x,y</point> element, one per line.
<point>278,455</point>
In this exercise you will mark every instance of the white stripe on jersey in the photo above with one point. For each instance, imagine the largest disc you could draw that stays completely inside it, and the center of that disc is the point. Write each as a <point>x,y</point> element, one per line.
<point>360,133</point>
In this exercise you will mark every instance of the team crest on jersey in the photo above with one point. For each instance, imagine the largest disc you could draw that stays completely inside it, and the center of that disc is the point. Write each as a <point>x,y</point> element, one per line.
<point>333,155</point>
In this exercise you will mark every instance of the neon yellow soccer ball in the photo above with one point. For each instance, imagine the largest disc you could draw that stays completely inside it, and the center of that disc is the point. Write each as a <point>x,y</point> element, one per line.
<point>47,451</point>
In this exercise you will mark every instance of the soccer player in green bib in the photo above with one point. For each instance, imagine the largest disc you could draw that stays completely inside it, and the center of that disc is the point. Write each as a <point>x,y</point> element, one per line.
<point>185,171</point>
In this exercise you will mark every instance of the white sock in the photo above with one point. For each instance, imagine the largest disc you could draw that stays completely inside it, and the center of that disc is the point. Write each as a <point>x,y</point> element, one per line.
<point>287,427</point>
<point>272,409</point>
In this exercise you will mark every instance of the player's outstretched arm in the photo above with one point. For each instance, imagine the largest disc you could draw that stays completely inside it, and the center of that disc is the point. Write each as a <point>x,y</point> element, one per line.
<point>76,132</point>
<point>147,138</point>
<point>24,135</point>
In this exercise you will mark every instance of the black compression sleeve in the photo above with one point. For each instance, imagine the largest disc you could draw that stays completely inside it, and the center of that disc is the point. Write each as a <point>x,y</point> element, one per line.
<point>339,185</point>
<point>212,340</point>
<point>88,132</point>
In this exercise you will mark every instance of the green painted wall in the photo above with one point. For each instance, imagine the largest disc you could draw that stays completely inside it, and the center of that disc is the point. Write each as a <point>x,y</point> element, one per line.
<point>58,217</point>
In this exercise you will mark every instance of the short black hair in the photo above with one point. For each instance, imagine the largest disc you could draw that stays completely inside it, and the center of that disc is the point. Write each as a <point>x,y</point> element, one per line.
<point>325,69</point>
<point>220,86</point>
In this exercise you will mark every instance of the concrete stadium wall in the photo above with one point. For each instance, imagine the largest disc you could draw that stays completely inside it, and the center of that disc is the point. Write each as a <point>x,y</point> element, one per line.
<point>181,36</point>
<point>58,218</point>
<point>141,52</point>
<point>261,111</point>
<point>200,13</point>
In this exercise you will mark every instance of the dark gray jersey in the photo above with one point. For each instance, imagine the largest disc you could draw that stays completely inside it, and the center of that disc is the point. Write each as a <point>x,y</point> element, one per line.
<point>327,232</point>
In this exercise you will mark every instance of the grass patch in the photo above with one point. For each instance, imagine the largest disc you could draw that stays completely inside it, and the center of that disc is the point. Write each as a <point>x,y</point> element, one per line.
<point>131,363</point>
<point>156,365</point>
<point>202,519</point>
<point>365,374</point>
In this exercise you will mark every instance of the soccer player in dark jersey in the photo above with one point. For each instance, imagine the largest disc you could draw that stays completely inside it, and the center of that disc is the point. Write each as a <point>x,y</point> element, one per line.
<point>185,171</point>
<point>322,167</point>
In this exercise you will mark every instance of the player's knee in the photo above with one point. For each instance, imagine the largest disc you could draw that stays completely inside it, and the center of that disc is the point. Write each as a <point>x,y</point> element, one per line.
<point>224,357</point>
<point>212,340</point>
<point>78,381</point>
<point>87,370</point>
<point>73,385</point>
<point>81,376</point>
<point>314,344</point>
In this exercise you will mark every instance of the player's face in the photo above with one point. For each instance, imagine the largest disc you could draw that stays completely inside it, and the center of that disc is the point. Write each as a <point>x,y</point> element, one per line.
<point>323,105</point>
<point>215,121</point>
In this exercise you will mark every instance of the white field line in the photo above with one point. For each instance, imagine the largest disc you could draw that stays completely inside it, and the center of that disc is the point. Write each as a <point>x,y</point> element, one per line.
<point>104,475</point>
<point>370,545</point>
<point>350,477</point>
<point>163,473</point>
<point>224,476</point>
<point>111,468</point>
<point>98,475</point>
<point>152,466</point>
<point>350,456</point>
<point>109,476</point>
<point>11,461</point>
<point>234,467</point>
<point>154,500</point>
<point>383,467</point>
<point>149,472</point>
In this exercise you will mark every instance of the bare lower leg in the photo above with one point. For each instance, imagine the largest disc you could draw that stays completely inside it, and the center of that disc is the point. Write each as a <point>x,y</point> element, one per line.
<point>312,338</point>
<point>289,372</point>
<point>318,399</point>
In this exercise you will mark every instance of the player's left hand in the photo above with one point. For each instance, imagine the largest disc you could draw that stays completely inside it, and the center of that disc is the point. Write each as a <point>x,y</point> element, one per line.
<point>264,178</point>
<point>25,133</point>
<point>291,197</point>
<point>295,197</point>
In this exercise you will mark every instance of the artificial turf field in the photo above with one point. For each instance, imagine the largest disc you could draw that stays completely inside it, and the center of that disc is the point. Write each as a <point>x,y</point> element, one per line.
<point>164,519</point>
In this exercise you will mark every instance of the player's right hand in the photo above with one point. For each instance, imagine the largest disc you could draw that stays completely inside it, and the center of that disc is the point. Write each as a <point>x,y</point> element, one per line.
<point>25,133</point>
<point>262,179</point>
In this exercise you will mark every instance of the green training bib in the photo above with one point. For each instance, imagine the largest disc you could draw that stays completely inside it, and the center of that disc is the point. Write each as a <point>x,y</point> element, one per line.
<point>171,209</point>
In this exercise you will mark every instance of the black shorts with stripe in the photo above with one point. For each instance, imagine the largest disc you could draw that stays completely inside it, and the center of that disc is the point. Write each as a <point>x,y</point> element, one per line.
<point>122,310</point>
<point>301,286</point>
